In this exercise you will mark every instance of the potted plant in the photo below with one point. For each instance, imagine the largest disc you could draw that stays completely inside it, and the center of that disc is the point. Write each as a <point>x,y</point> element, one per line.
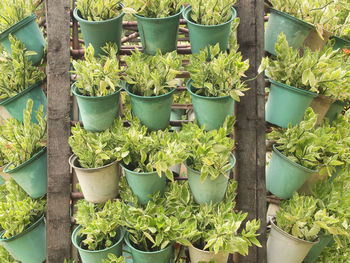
<point>158,23</point>
<point>209,22</point>
<point>149,159</point>
<point>97,88</point>
<point>95,161</point>
<point>23,224</point>
<point>214,85</point>
<point>24,144</point>
<point>209,160</point>
<point>150,83</point>
<point>18,19</point>
<point>100,22</point>
<point>19,81</point>
<point>114,259</point>
<point>297,80</point>
<point>212,231</point>
<point>100,231</point>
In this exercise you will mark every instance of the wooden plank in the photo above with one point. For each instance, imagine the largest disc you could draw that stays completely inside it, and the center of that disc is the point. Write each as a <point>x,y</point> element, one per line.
<point>250,127</point>
<point>59,178</point>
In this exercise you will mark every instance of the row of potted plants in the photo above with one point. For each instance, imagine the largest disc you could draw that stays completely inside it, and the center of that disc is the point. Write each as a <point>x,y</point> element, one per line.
<point>151,81</point>
<point>310,23</point>
<point>209,23</point>
<point>317,78</point>
<point>210,230</point>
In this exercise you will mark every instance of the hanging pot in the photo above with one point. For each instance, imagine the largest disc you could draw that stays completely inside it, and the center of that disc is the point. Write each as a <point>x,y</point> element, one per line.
<point>158,33</point>
<point>283,176</point>
<point>144,185</point>
<point>31,175</point>
<point>321,105</point>
<point>201,36</point>
<point>97,184</point>
<point>97,113</point>
<point>99,33</point>
<point>28,32</point>
<point>154,111</point>
<point>210,112</point>
<point>94,256</point>
<point>14,106</point>
<point>340,43</point>
<point>160,256</point>
<point>293,28</point>
<point>335,109</point>
<point>282,247</point>
<point>198,255</point>
<point>210,190</point>
<point>28,246</point>
<point>287,104</point>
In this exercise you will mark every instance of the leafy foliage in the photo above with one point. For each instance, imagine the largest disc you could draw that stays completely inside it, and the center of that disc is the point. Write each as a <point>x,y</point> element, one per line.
<point>21,140</point>
<point>334,254</point>
<point>99,10</point>
<point>98,76</point>
<point>100,223</point>
<point>13,11</point>
<point>218,74</point>
<point>17,210</point>
<point>152,75</point>
<point>211,12</point>
<point>209,151</point>
<point>326,72</point>
<point>5,256</point>
<point>153,8</point>
<point>113,259</point>
<point>16,71</point>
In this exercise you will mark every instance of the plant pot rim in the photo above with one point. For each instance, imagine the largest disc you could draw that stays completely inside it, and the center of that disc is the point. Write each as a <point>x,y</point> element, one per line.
<point>232,160</point>
<point>147,97</point>
<point>186,15</point>
<point>75,235</point>
<point>189,87</point>
<point>298,90</point>
<point>274,226</point>
<point>74,158</point>
<point>340,38</point>
<point>127,241</point>
<point>28,229</point>
<point>138,173</point>
<point>17,26</point>
<point>74,89</point>
<point>32,159</point>
<point>295,19</point>
<point>26,90</point>
<point>281,155</point>
<point>159,18</point>
<point>77,16</point>
<point>208,252</point>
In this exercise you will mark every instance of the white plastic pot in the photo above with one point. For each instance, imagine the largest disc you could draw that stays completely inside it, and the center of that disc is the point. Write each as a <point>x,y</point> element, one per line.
<point>197,255</point>
<point>98,184</point>
<point>282,247</point>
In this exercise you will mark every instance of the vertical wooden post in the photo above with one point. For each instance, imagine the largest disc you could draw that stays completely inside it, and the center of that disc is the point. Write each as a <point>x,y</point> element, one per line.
<point>250,127</point>
<point>58,81</point>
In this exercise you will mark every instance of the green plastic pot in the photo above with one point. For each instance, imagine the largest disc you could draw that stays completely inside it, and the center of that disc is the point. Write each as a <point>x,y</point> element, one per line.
<point>176,115</point>
<point>293,28</point>
<point>210,190</point>
<point>97,113</point>
<point>317,249</point>
<point>158,33</point>
<point>287,104</point>
<point>335,109</point>
<point>210,112</point>
<point>340,43</point>
<point>144,185</point>
<point>160,256</point>
<point>28,246</point>
<point>201,36</point>
<point>14,106</point>
<point>283,176</point>
<point>94,256</point>
<point>98,33</point>
<point>28,32</point>
<point>153,112</point>
<point>31,175</point>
